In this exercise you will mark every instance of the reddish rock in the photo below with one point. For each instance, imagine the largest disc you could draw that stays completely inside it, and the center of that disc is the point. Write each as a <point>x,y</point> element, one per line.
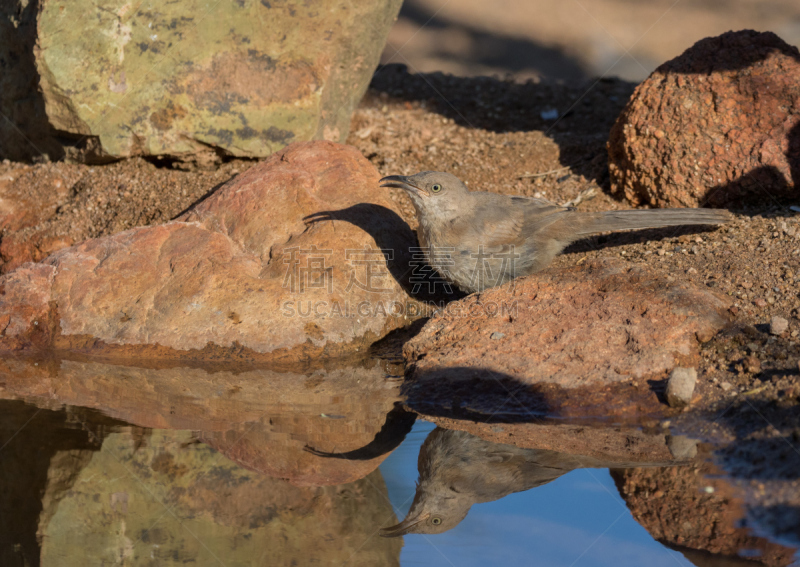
<point>266,420</point>
<point>715,125</point>
<point>245,268</point>
<point>579,342</point>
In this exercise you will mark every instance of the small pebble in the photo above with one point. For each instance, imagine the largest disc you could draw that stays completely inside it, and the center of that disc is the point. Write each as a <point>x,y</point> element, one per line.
<point>726,386</point>
<point>682,447</point>
<point>497,336</point>
<point>680,386</point>
<point>752,364</point>
<point>760,302</point>
<point>778,325</point>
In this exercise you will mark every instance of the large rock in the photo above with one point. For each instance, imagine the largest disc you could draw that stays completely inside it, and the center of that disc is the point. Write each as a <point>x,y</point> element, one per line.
<point>294,424</point>
<point>243,269</point>
<point>716,124</point>
<point>245,78</point>
<point>578,342</point>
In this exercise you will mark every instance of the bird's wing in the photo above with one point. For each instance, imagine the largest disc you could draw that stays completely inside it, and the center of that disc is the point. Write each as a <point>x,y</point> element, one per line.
<point>504,218</point>
<point>496,223</point>
<point>538,214</point>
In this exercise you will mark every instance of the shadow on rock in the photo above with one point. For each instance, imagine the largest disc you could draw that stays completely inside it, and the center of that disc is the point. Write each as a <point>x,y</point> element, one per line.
<point>399,246</point>
<point>21,99</point>
<point>766,186</point>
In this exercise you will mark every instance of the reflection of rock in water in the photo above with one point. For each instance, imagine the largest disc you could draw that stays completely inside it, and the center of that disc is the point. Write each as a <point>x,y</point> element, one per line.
<point>262,419</point>
<point>163,500</point>
<point>457,470</point>
<point>712,534</point>
<point>40,454</point>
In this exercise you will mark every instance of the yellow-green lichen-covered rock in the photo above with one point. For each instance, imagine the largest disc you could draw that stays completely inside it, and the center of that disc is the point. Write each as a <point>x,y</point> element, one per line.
<point>160,499</point>
<point>245,77</point>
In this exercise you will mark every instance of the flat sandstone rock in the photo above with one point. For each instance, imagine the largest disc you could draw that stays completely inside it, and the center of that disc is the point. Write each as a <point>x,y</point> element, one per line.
<point>581,341</point>
<point>245,268</point>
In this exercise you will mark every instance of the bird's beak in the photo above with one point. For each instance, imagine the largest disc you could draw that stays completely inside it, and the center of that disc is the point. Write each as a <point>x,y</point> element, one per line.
<point>402,182</point>
<point>403,527</point>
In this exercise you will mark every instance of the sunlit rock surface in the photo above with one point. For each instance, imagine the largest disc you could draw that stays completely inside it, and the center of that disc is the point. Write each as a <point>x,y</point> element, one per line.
<point>301,256</point>
<point>578,342</point>
<point>244,78</point>
<point>719,124</point>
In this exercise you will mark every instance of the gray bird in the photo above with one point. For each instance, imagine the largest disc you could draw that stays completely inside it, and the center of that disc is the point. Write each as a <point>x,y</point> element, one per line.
<point>457,470</point>
<point>479,240</point>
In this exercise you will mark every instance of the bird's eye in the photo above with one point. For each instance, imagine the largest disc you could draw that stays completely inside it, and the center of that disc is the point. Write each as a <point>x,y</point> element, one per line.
<point>436,521</point>
<point>436,188</point>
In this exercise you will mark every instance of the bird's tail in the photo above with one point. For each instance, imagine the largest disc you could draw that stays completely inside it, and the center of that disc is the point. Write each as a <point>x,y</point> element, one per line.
<point>649,218</point>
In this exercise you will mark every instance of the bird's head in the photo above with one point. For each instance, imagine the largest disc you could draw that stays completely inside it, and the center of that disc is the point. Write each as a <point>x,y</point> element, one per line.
<point>434,193</point>
<point>435,509</point>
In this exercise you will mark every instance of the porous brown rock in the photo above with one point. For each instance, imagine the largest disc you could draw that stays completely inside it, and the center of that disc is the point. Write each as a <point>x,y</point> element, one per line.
<point>582,341</point>
<point>717,125</point>
<point>251,269</point>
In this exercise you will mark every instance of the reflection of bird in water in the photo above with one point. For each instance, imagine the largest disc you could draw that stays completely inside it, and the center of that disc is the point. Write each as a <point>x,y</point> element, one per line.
<point>457,470</point>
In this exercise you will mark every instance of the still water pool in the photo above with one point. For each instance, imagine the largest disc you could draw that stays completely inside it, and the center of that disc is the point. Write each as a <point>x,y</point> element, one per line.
<point>118,465</point>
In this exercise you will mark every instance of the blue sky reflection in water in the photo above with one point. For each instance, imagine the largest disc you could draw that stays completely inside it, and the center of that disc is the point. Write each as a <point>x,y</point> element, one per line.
<point>578,519</point>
